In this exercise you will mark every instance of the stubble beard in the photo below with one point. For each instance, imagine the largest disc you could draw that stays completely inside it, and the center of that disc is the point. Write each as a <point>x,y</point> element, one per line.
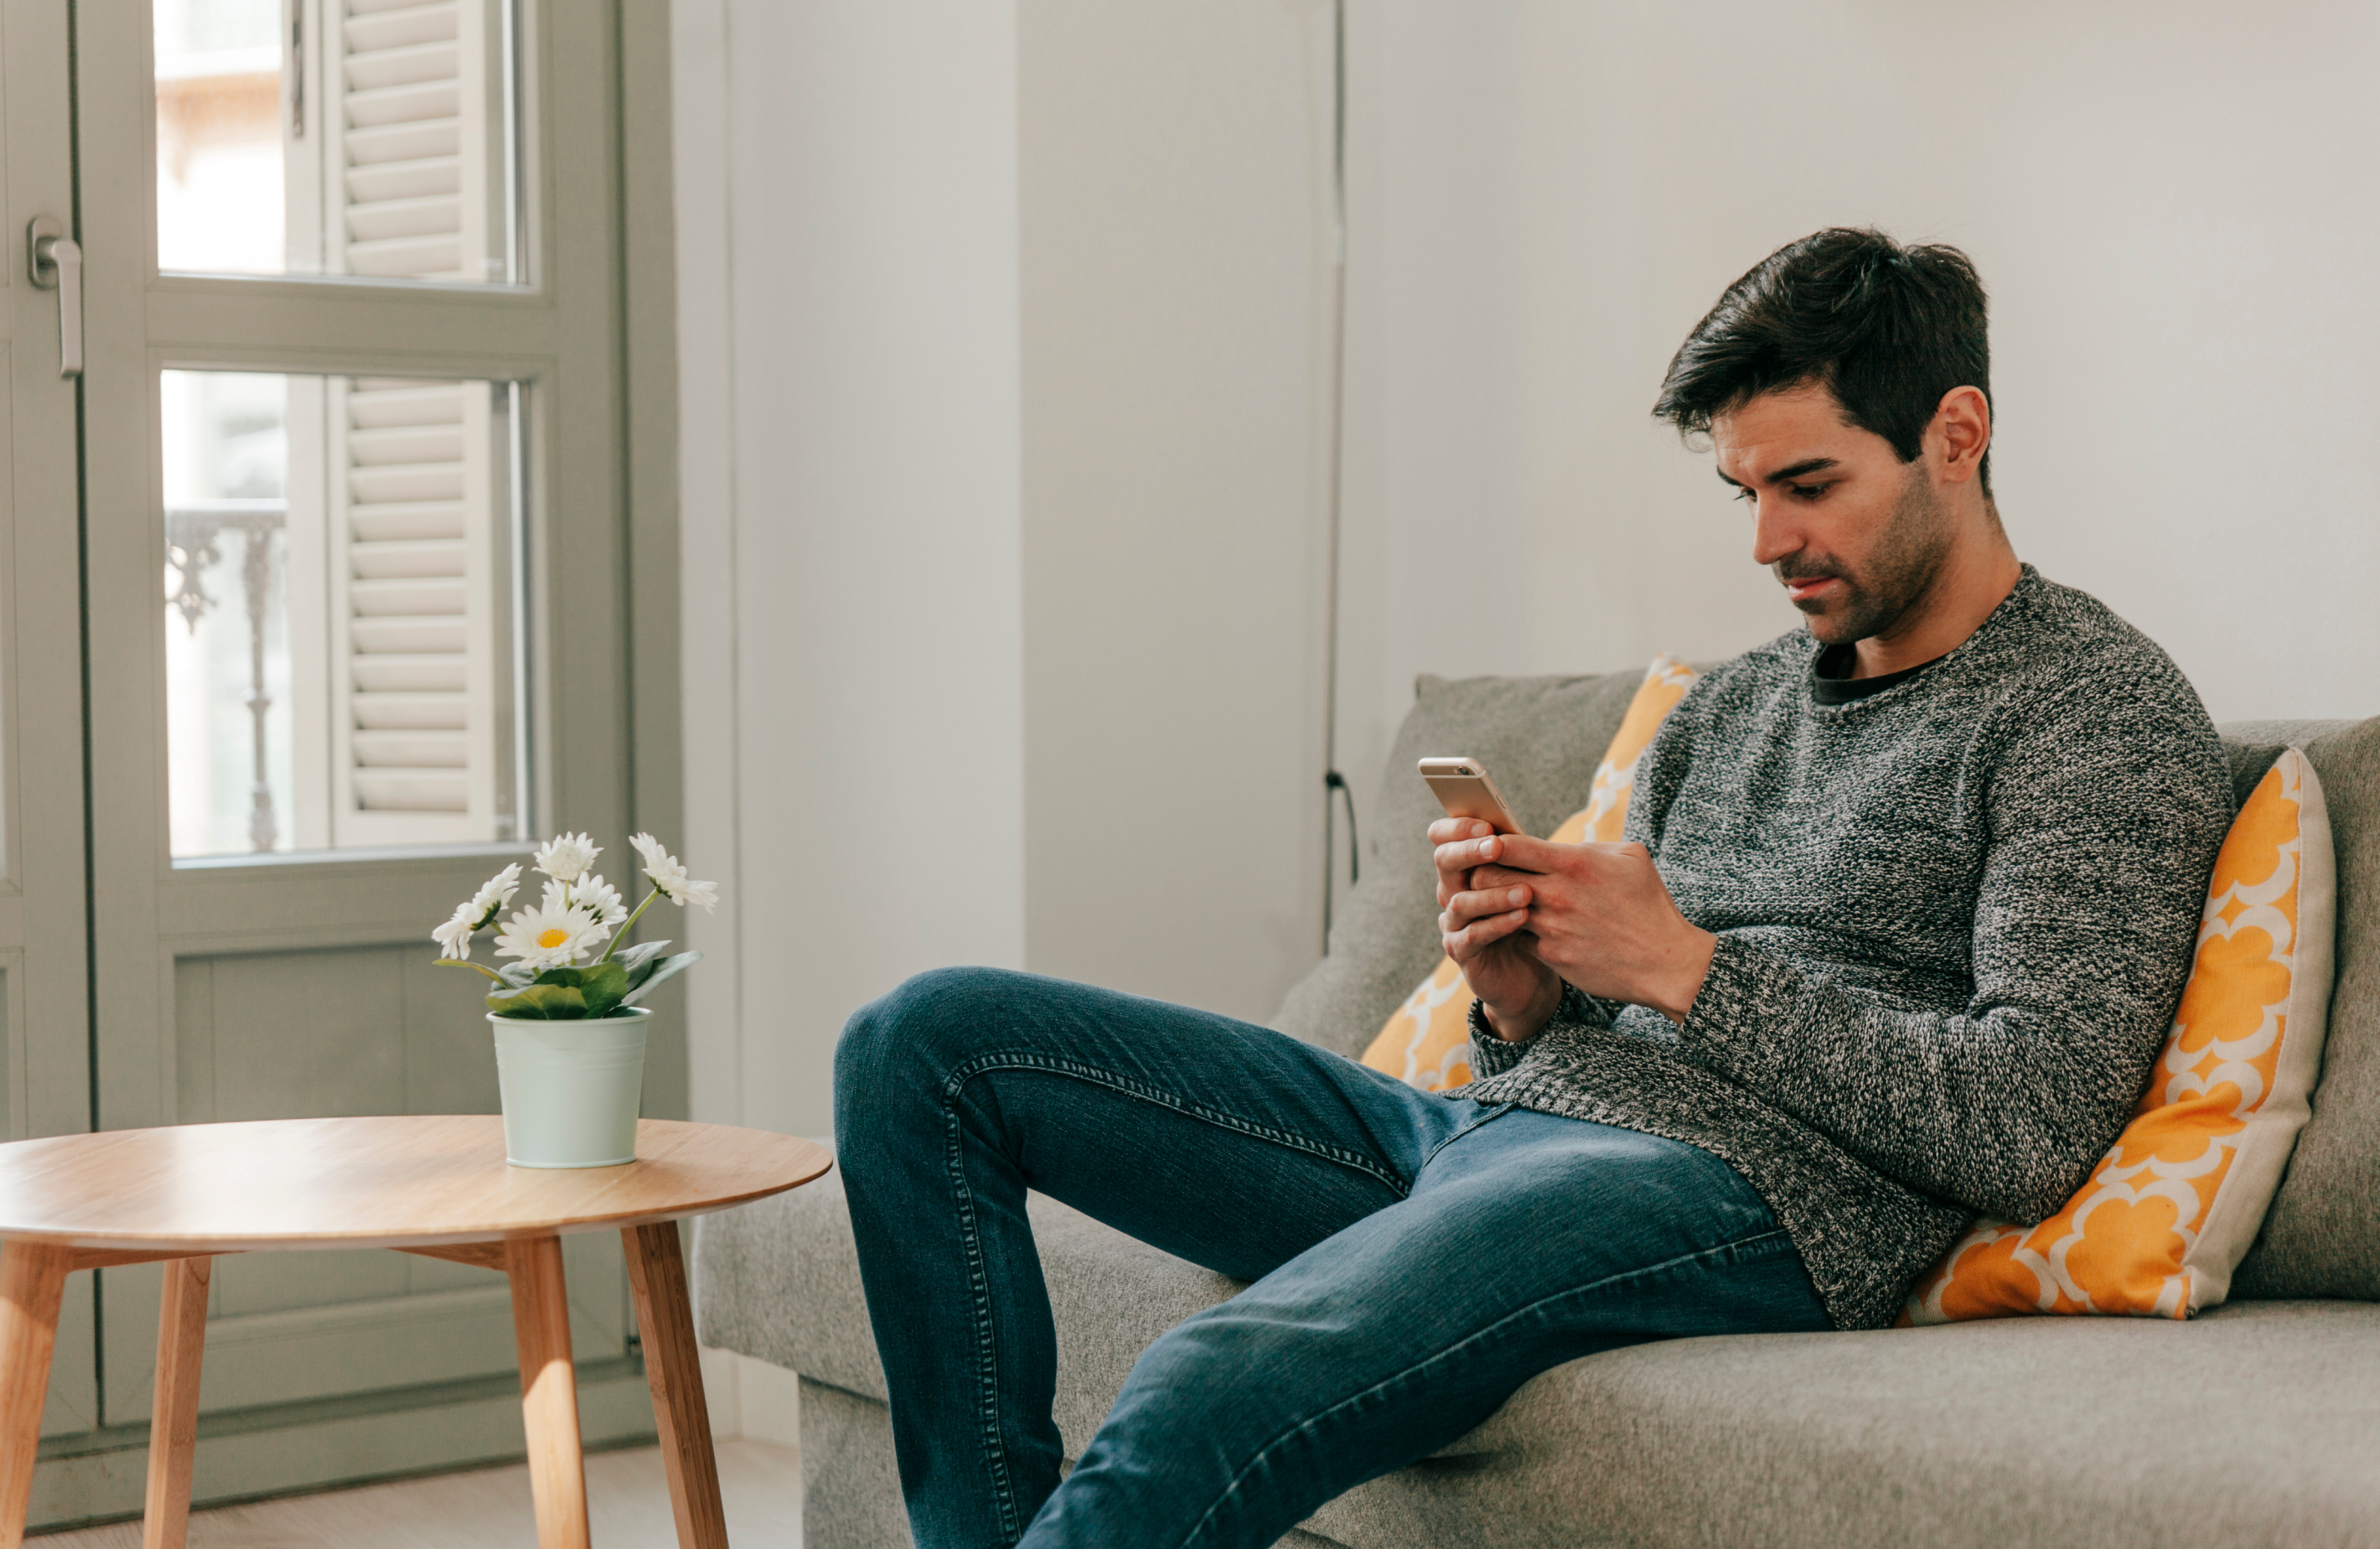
<point>1907,557</point>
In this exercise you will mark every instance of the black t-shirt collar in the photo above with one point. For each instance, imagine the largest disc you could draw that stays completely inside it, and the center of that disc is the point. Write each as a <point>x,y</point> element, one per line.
<point>1830,682</point>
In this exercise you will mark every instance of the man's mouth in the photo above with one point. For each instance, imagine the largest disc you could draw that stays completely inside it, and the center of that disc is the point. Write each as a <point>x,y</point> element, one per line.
<point>1807,588</point>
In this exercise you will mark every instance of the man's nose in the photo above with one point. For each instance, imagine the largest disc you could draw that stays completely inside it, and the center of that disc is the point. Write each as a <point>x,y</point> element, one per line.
<point>1774,533</point>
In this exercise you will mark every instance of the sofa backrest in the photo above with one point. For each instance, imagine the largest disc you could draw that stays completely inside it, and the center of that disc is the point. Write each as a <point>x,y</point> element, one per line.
<point>1542,737</point>
<point>2321,1236</point>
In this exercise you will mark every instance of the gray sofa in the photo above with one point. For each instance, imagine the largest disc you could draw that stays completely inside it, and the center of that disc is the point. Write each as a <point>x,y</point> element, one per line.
<point>2258,1424</point>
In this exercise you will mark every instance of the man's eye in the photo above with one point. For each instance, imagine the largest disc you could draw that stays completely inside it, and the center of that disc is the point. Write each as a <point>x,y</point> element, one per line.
<point>1808,491</point>
<point>1745,492</point>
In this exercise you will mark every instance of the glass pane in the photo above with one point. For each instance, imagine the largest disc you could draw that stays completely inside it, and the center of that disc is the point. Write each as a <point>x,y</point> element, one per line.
<point>344,651</point>
<point>336,137</point>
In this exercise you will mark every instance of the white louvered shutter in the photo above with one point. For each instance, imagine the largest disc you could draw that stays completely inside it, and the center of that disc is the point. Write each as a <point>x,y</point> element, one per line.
<point>419,643</point>
<point>417,106</point>
<point>415,747</point>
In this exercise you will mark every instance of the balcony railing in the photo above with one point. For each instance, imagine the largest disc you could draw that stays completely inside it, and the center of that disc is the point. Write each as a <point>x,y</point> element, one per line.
<point>193,546</point>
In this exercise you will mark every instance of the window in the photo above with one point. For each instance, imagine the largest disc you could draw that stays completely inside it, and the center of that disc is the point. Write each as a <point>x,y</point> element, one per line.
<point>346,635</point>
<point>372,137</point>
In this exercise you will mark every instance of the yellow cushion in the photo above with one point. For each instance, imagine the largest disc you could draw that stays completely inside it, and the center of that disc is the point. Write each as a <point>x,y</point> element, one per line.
<point>2170,1209</point>
<point>1427,1040</point>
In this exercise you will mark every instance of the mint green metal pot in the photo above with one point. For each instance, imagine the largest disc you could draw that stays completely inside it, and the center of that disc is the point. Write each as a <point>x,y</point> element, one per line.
<point>571,1089</point>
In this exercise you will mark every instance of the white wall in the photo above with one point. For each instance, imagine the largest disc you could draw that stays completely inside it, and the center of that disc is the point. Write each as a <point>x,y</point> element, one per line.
<point>1001,388</point>
<point>1174,168</point>
<point>2172,204</point>
<point>853,616</point>
<point>1002,347</point>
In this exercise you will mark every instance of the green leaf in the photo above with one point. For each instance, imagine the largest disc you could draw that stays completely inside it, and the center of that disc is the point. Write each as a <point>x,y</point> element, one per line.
<point>605,985</point>
<point>567,994</point>
<point>549,1003</point>
<point>484,972</point>
<point>663,970</point>
<point>636,957</point>
<point>647,962</point>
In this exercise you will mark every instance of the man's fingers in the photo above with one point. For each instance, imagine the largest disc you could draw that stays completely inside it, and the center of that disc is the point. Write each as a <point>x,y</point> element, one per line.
<point>1448,830</point>
<point>1464,908</point>
<point>1522,853</point>
<point>1483,932</point>
<point>1455,854</point>
<point>1458,856</point>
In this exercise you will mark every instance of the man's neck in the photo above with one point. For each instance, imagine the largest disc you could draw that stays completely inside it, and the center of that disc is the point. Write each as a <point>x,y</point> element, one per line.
<point>1975,579</point>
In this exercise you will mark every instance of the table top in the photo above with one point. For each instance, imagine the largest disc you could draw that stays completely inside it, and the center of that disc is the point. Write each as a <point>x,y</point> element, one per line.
<point>399,1182</point>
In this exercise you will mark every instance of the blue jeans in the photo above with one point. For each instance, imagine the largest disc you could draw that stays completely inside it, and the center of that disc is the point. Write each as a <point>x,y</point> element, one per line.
<point>1414,1258</point>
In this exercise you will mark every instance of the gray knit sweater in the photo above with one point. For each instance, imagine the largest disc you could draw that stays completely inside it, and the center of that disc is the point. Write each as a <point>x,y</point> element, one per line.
<point>1954,920</point>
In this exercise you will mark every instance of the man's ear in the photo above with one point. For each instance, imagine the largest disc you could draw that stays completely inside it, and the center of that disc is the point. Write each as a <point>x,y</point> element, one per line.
<point>1960,433</point>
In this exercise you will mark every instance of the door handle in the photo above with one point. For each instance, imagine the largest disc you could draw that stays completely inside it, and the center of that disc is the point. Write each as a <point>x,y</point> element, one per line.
<point>54,262</point>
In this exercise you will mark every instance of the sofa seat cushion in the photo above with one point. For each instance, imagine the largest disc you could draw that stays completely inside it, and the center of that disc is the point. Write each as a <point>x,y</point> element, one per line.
<point>2257,1423</point>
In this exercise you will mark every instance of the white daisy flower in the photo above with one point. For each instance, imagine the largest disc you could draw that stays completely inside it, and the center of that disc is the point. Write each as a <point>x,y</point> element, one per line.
<point>600,898</point>
<point>651,848</point>
<point>592,893</point>
<point>454,937</point>
<point>566,856</point>
<point>543,938</point>
<point>670,877</point>
<point>495,893</point>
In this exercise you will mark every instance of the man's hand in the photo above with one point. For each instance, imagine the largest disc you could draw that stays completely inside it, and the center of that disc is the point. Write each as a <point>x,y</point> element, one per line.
<point>1594,915</point>
<point>1482,932</point>
<point>1601,918</point>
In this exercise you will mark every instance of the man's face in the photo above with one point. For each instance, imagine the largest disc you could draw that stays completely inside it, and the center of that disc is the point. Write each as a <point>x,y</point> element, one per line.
<point>1855,534</point>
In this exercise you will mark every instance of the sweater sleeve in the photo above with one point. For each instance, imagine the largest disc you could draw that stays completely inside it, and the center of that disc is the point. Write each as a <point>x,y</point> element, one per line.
<point>1492,1055</point>
<point>2106,810</point>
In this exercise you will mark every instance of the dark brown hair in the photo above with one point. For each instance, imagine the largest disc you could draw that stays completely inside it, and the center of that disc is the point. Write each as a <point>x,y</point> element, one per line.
<point>1887,329</point>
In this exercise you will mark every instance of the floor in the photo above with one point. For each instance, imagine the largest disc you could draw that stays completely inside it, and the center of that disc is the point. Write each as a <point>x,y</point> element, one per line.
<point>627,1505</point>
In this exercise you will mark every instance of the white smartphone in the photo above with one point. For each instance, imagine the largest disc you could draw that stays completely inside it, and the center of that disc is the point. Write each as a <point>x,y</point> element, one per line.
<point>1463,788</point>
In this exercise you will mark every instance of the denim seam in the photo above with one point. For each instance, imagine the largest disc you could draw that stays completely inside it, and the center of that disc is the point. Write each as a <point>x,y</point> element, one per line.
<point>987,1349</point>
<point>1497,1111</point>
<point>1231,1489</point>
<point>1020,1061</point>
<point>978,1279</point>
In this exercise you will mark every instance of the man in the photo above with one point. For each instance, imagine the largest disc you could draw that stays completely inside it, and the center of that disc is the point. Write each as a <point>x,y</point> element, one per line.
<point>1908,901</point>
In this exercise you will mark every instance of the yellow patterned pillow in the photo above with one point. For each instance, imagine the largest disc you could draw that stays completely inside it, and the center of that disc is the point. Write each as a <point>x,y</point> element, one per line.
<point>1427,1041</point>
<point>2170,1211</point>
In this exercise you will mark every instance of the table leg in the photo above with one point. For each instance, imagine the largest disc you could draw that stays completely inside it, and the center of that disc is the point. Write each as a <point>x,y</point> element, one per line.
<point>657,1273</point>
<point>174,1416</point>
<point>32,1278</point>
<point>557,1474</point>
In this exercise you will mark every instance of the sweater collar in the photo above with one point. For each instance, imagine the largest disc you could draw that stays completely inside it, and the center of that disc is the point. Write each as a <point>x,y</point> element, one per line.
<point>2019,604</point>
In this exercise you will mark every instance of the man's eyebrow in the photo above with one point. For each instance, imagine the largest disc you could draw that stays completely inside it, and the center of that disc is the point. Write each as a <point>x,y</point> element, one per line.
<point>1786,474</point>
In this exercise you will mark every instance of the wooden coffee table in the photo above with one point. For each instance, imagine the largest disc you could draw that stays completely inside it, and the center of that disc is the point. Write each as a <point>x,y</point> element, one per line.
<point>434,1186</point>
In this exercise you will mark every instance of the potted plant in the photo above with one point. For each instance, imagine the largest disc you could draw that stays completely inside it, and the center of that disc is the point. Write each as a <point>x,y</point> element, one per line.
<point>569,1034</point>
